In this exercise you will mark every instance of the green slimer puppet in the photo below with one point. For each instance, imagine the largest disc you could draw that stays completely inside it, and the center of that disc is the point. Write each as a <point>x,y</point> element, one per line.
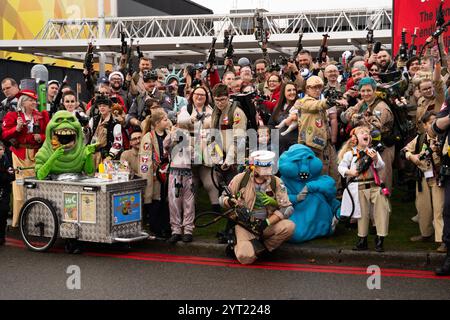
<point>63,150</point>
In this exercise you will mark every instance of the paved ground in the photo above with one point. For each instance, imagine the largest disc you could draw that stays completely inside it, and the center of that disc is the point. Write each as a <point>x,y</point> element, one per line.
<point>155,271</point>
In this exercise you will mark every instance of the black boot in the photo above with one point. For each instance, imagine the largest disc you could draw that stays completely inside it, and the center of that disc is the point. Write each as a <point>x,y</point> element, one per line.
<point>444,270</point>
<point>379,244</point>
<point>361,244</point>
<point>216,208</point>
<point>259,247</point>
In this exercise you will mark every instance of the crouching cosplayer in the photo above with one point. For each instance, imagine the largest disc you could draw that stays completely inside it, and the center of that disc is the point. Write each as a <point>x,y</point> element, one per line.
<point>266,198</point>
<point>360,164</point>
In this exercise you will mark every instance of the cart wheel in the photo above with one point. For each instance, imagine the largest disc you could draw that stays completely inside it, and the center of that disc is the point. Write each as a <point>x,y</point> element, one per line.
<point>38,224</point>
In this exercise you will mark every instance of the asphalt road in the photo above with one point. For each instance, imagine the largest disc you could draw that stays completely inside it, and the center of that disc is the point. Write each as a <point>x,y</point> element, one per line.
<point>112,272</point>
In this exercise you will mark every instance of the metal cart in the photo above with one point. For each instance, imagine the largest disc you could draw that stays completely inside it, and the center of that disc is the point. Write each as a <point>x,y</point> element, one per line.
<point>85,208</point>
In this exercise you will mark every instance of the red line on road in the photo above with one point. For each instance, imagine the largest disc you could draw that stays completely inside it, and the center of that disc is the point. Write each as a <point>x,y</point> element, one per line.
<point>221,262</point>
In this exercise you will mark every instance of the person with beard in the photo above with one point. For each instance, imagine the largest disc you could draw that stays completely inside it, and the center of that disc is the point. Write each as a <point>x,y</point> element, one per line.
<point>116,81</point>
<point>262,73</point>
<point>384,61</point>
<point>172,85</point>
<point>135,82</point>
<point>266,197</point>
<point>139,109</point>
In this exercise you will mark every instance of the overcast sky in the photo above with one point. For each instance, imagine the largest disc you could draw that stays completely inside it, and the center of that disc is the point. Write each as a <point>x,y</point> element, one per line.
<point>224,6</point>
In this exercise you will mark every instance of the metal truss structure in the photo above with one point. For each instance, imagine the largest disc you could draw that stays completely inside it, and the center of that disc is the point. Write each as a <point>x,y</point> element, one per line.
<point>188,37</point>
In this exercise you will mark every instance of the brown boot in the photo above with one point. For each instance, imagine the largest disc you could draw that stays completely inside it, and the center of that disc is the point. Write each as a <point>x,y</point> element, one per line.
<point>442,248</point>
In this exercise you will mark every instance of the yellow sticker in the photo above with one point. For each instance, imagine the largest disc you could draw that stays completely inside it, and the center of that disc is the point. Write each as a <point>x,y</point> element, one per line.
<point>237,118</point>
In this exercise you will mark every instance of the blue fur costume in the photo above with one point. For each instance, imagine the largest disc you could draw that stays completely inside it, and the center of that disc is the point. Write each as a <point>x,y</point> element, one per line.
<point>313,216</point>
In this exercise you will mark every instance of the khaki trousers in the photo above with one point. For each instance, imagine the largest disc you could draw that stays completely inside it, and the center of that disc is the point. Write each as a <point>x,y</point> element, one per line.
<point>203,174</point>
<point>381,211</point>
<point>430,205</point>
<point>273,236</point>
<point>18,189</point>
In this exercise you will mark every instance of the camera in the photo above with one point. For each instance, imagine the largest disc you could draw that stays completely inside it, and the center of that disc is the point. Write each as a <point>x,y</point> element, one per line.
<point>377,47</point>
<point>149,75</point>
<point>36,128</point>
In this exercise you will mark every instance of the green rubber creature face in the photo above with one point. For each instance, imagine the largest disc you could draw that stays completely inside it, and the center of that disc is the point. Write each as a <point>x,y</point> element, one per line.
<point>64,130</point>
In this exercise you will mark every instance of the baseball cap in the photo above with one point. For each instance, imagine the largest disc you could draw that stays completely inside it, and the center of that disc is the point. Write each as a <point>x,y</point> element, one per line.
<point>314,81</point>
<point>50,82</point>
<point>244,62</point>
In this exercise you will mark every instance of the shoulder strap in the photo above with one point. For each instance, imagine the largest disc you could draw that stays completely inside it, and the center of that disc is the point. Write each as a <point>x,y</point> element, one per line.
<point>419,143</point>
<point>273,184</point>
<point>190,108</point>
<point>232,109</point>
<point>244,180</point>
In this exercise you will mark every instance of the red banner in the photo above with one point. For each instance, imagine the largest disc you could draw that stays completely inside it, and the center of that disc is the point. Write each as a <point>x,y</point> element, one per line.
<point>420,14</point>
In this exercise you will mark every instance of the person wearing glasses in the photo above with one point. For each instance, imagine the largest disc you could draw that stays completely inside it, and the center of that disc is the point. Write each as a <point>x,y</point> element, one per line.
<point>200,112</point>
<point>432,95</point>
<point>314,128</point>
<point>25,130</point>
<point>116,81</point>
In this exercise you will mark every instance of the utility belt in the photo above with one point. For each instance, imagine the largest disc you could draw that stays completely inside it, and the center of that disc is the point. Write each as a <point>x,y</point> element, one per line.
<point>366,184</point>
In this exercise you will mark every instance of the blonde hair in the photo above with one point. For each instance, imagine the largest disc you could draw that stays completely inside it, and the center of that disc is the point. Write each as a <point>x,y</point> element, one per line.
<point>351,142</point>
<point>157,116</point>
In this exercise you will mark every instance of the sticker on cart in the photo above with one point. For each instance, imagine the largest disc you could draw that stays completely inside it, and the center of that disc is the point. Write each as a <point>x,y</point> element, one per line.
<point>70,209</point>
<point>88,212</point>
<point>127,208</point>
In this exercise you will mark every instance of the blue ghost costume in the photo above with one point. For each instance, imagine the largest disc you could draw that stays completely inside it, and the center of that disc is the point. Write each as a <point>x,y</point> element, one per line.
<point>314,215</point>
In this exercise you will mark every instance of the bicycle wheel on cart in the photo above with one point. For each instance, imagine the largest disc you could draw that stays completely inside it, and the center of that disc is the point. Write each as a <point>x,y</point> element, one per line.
<point>38,224</point>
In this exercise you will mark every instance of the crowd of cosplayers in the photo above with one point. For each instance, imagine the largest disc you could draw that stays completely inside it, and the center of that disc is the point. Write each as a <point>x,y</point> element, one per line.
<point>362,117</point>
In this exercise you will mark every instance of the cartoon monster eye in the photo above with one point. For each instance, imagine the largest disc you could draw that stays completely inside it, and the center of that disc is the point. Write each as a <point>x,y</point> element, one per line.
<point>58,120</point>
<point>72,119</point>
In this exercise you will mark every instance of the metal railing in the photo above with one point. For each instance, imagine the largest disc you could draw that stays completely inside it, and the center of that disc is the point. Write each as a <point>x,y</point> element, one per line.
<point>215,25</point>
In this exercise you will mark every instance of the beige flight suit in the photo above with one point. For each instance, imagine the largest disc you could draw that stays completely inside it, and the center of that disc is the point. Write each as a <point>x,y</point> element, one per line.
<point>434,104</point>
<point>379,116</point>
<point>145,169</point>
<point>429,201</point>
<point>232,131</point>
<point>314,131</point>
<point>274,235</point>
<point>371,200</point>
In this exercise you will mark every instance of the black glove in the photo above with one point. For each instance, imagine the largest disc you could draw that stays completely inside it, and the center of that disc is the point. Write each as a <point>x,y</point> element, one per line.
<point>258,226</point>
